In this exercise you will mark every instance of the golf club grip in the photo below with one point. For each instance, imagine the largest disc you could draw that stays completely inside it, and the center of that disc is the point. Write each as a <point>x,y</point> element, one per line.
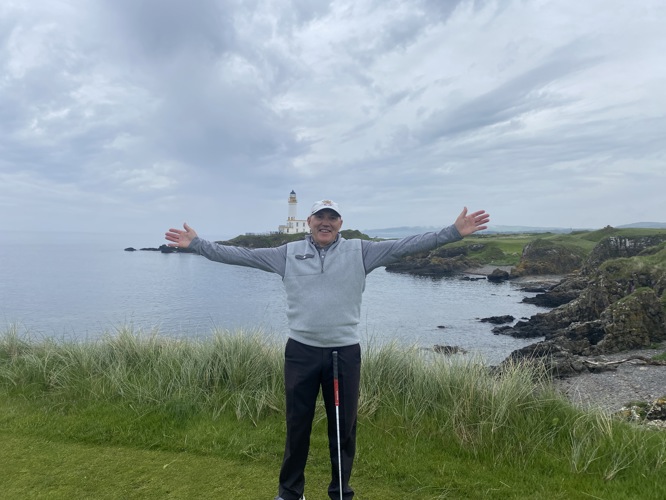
<point>336,388</point>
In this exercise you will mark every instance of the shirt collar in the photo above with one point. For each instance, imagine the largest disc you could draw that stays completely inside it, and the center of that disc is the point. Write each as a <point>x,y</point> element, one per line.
<point>311,240</point>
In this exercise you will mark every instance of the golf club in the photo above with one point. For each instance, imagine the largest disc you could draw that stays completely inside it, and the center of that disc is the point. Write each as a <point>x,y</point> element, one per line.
<point>336,391</point>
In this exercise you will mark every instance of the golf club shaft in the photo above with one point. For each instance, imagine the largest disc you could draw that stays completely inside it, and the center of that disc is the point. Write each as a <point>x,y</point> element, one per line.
<point>336,392</point>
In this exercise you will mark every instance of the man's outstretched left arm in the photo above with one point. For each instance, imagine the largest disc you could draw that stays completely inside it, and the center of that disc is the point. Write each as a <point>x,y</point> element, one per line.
<point>382,253</point>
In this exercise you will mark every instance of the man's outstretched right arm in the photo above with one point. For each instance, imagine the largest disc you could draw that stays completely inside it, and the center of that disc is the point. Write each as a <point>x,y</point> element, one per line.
<point>267,259</point>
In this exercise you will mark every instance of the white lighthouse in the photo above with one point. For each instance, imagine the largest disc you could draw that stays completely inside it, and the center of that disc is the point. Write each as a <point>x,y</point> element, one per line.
<point>293,205</point>
<point>293,225</point>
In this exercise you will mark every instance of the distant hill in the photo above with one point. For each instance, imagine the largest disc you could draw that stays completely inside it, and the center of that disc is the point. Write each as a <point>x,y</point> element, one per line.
<point>401,232</point>
<point>644,225</point>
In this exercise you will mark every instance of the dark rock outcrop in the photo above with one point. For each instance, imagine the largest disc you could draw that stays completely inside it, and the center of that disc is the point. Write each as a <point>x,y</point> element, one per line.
<point>168,249</point>
<point>547,257</point>
<point>559,294</point>
<point>634,321</point>
<point>161,248</point>
<point>498,320</point>
<point>425,265</point>
<point>552,298</point>
<point>498,275</point>
<point>607,306</point>
<point>614,247</point>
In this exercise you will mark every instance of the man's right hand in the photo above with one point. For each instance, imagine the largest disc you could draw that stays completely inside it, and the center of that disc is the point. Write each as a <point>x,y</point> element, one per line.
<point>180,238</point>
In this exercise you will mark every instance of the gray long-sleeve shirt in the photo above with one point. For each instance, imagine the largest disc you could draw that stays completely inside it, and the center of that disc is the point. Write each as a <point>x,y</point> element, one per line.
<point>324,308</point>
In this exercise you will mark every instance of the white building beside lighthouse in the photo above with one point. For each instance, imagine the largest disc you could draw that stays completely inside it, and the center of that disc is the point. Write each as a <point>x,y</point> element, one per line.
<point>293,225</point>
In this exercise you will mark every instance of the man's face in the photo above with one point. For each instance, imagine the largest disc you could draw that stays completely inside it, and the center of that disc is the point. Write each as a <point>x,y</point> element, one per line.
<point>325,226</point>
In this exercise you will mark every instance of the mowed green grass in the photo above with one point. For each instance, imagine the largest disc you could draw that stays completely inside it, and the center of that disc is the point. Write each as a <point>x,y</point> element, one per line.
<point>506,249</point>
<point>135,416</point>
<point>41,468</point>
<point>60,457</point>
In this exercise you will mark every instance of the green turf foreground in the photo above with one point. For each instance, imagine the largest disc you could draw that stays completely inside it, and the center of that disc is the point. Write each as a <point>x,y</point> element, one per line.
<point>137,417</point>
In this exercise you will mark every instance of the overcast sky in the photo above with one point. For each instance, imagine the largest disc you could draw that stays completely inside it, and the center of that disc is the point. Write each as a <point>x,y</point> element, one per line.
<point>133,116</point>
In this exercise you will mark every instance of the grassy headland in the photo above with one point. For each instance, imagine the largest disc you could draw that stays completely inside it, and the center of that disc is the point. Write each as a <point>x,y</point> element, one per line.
<point>506,249</point>
<point>276,239</point>
<point>143,416</point>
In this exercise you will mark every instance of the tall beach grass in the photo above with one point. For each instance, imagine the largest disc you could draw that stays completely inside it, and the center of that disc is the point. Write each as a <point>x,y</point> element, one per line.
<point>237,371</point>
<point>509,419</point>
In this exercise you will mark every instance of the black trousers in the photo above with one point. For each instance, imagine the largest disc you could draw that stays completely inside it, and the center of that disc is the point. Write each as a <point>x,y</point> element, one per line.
<point>306,369</point>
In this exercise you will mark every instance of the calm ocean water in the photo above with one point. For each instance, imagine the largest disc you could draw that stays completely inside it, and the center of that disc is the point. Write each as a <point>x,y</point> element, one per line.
<point>82,286</point>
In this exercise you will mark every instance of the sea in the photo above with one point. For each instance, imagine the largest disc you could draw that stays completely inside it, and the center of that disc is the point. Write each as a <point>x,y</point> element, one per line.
<point>85,286</point>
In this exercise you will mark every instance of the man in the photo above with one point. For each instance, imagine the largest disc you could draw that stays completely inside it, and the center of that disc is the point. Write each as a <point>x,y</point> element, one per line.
<point>324,278</point>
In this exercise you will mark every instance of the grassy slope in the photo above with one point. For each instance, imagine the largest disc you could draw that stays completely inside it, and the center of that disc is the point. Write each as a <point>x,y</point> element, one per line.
<point>134,417</point>
<point>98,453</point>
<point>505,249</point>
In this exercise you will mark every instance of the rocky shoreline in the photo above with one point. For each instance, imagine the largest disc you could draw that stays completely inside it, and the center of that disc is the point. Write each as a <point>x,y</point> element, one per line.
<point>605,326</point>
<point>617,387</point>
<point>624,384</point>
<point>623,378</point>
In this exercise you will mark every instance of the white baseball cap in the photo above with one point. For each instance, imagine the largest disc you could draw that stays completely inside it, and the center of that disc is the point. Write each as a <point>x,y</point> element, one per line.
<point>323,204</point>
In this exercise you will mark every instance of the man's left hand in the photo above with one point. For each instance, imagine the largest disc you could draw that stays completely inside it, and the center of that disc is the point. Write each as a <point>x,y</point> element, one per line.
<point>467,224</point>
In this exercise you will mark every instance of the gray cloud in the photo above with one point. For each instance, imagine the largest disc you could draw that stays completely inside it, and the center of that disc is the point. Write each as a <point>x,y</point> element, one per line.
<point>524,94</point>
<point>142,114</point>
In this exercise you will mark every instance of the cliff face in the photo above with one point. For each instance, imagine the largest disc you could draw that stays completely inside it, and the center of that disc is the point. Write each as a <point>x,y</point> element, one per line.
<point>543,256</point>
<point>622,307</point>
<point>615,247</point>
<point>547,257</point>
<point>636,320</point>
